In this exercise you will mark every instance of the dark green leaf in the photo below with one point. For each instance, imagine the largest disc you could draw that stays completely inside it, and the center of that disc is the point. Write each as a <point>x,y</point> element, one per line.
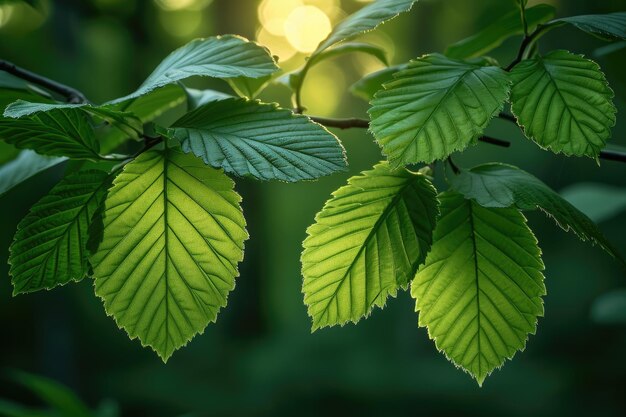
<point>600,202</point>
<point>27,164</point>
<point>609,27</point>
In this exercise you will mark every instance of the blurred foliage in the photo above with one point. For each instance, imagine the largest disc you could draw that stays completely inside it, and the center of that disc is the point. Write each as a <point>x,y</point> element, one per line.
<point>260,358</point>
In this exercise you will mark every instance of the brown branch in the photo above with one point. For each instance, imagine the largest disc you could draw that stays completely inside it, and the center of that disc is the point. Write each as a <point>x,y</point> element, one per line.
<point>71,95</point>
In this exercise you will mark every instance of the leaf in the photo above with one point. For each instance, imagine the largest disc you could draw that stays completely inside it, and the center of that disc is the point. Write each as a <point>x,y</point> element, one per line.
<point>479,292</point>
<point>62,400</point>
<point>50,246</point>
<point>146,108</point>
<point>609,27</point>
<point>563,103</point>
<point>367,86</point>
<point>249,87</point>
<point>500,185</point>
<point>585,197</point>
<point>263,141</point>
<point>198,98</point>
<point>364,20</point>
<point>219,57</point>
<point>173,235</point>
<point>497,32</point>
<point>350,47</point>
<point>58,132</point>
<point>366,243</point>
<point>434,107</point>
<point>27,164</point>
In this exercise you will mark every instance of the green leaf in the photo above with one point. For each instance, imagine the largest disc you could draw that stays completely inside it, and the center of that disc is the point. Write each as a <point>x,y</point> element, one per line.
<point>249,87</point>
<point>173,235</point>
<point>27,164</point>
<point>479,292</point>
<point>50,246</point>
<point>563,103</point>
<point>434,107</point>
<point>58,132</point>
<point>609,27</point>
<point>364,20</point>
<point>585,197</point>
<point>367,243</point>
<point>61,399</point>
<point>497,32</point>
<point>367,86</point>
<point>252,139</point>
<point>350,47</point>
<point>146,108</point>
<point>11,82</point>
<point>500,185</point>
<point>219,57</point>
<point>198,98</point>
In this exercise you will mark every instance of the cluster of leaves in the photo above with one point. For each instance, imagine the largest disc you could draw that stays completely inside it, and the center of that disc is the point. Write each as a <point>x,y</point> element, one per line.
<point>160,229</point>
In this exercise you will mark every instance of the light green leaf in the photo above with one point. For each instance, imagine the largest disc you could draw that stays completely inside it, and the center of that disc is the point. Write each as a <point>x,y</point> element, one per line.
<point>58,132</point>
<point>434,107</point>
<point>563,103</point>
<point>479,292</point>
<point>366,19</point>
<point>586,197</point>
<point>219,57</point>
<point>347,48</point>
<point>252,139</point>
<point>173,235</point>
<point>198,98</point>
<point>249,87</point>
<point>500,185</point>
<point>367,86</point>
<point>50,246</point>
<point>497,32</point>
<point>27,164</point>
<point>609,27</point>
<point>367,243</point>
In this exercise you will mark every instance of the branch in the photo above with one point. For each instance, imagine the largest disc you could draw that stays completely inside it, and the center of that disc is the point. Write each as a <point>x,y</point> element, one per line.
<point>71,95</point>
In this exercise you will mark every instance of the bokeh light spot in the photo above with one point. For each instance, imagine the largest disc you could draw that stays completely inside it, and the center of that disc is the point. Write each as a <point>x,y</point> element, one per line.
<point>306,27</point>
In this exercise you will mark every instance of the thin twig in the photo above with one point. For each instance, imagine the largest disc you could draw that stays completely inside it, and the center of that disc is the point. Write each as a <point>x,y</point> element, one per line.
<point>70,94</point>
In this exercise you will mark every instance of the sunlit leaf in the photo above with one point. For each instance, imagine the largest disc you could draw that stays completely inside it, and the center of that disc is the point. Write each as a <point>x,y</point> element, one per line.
<point>364,20</point>
<point>173,236</point>
<point>479,292</point>
<point>219,57</point>
<point>564,103</point>
<point>500,185</point>
<point>50,246</point>
<point>498,31</point>
<point>434,107</point>
<point>249,138</point>
<point>367,243</point>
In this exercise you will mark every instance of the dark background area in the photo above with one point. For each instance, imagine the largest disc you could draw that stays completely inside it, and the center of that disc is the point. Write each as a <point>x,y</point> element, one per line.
<point>260,358</point>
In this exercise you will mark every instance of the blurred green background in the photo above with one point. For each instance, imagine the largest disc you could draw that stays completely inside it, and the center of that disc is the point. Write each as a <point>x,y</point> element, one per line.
<point>260,358</point>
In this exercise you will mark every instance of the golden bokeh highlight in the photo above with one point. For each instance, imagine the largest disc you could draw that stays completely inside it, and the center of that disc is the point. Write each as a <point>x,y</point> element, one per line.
<point>173,5</point>
<point>278,45</point>
<point>306,27</point>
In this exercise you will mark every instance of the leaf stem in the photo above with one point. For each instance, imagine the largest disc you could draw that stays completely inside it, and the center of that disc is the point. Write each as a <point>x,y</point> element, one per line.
<point>70,94</point>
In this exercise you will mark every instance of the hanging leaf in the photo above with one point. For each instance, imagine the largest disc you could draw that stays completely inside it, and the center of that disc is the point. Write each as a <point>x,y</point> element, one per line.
<point>609,27</point>
<point>367,243</point>
<point>479,292</point>
<point>434,107</point>
<point>50,246</point>
<point>500,185</point>
<point>563,103</point>
<point>27,164</point>
<point>173,236</point>
<point>249,138</point>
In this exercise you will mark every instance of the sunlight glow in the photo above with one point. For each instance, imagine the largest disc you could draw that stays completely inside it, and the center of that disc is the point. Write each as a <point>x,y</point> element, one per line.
<point>170,5</point>
<point>279,45</point>
<point>5,14</point>
<point>306,27</point>
<point>274,13</point>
